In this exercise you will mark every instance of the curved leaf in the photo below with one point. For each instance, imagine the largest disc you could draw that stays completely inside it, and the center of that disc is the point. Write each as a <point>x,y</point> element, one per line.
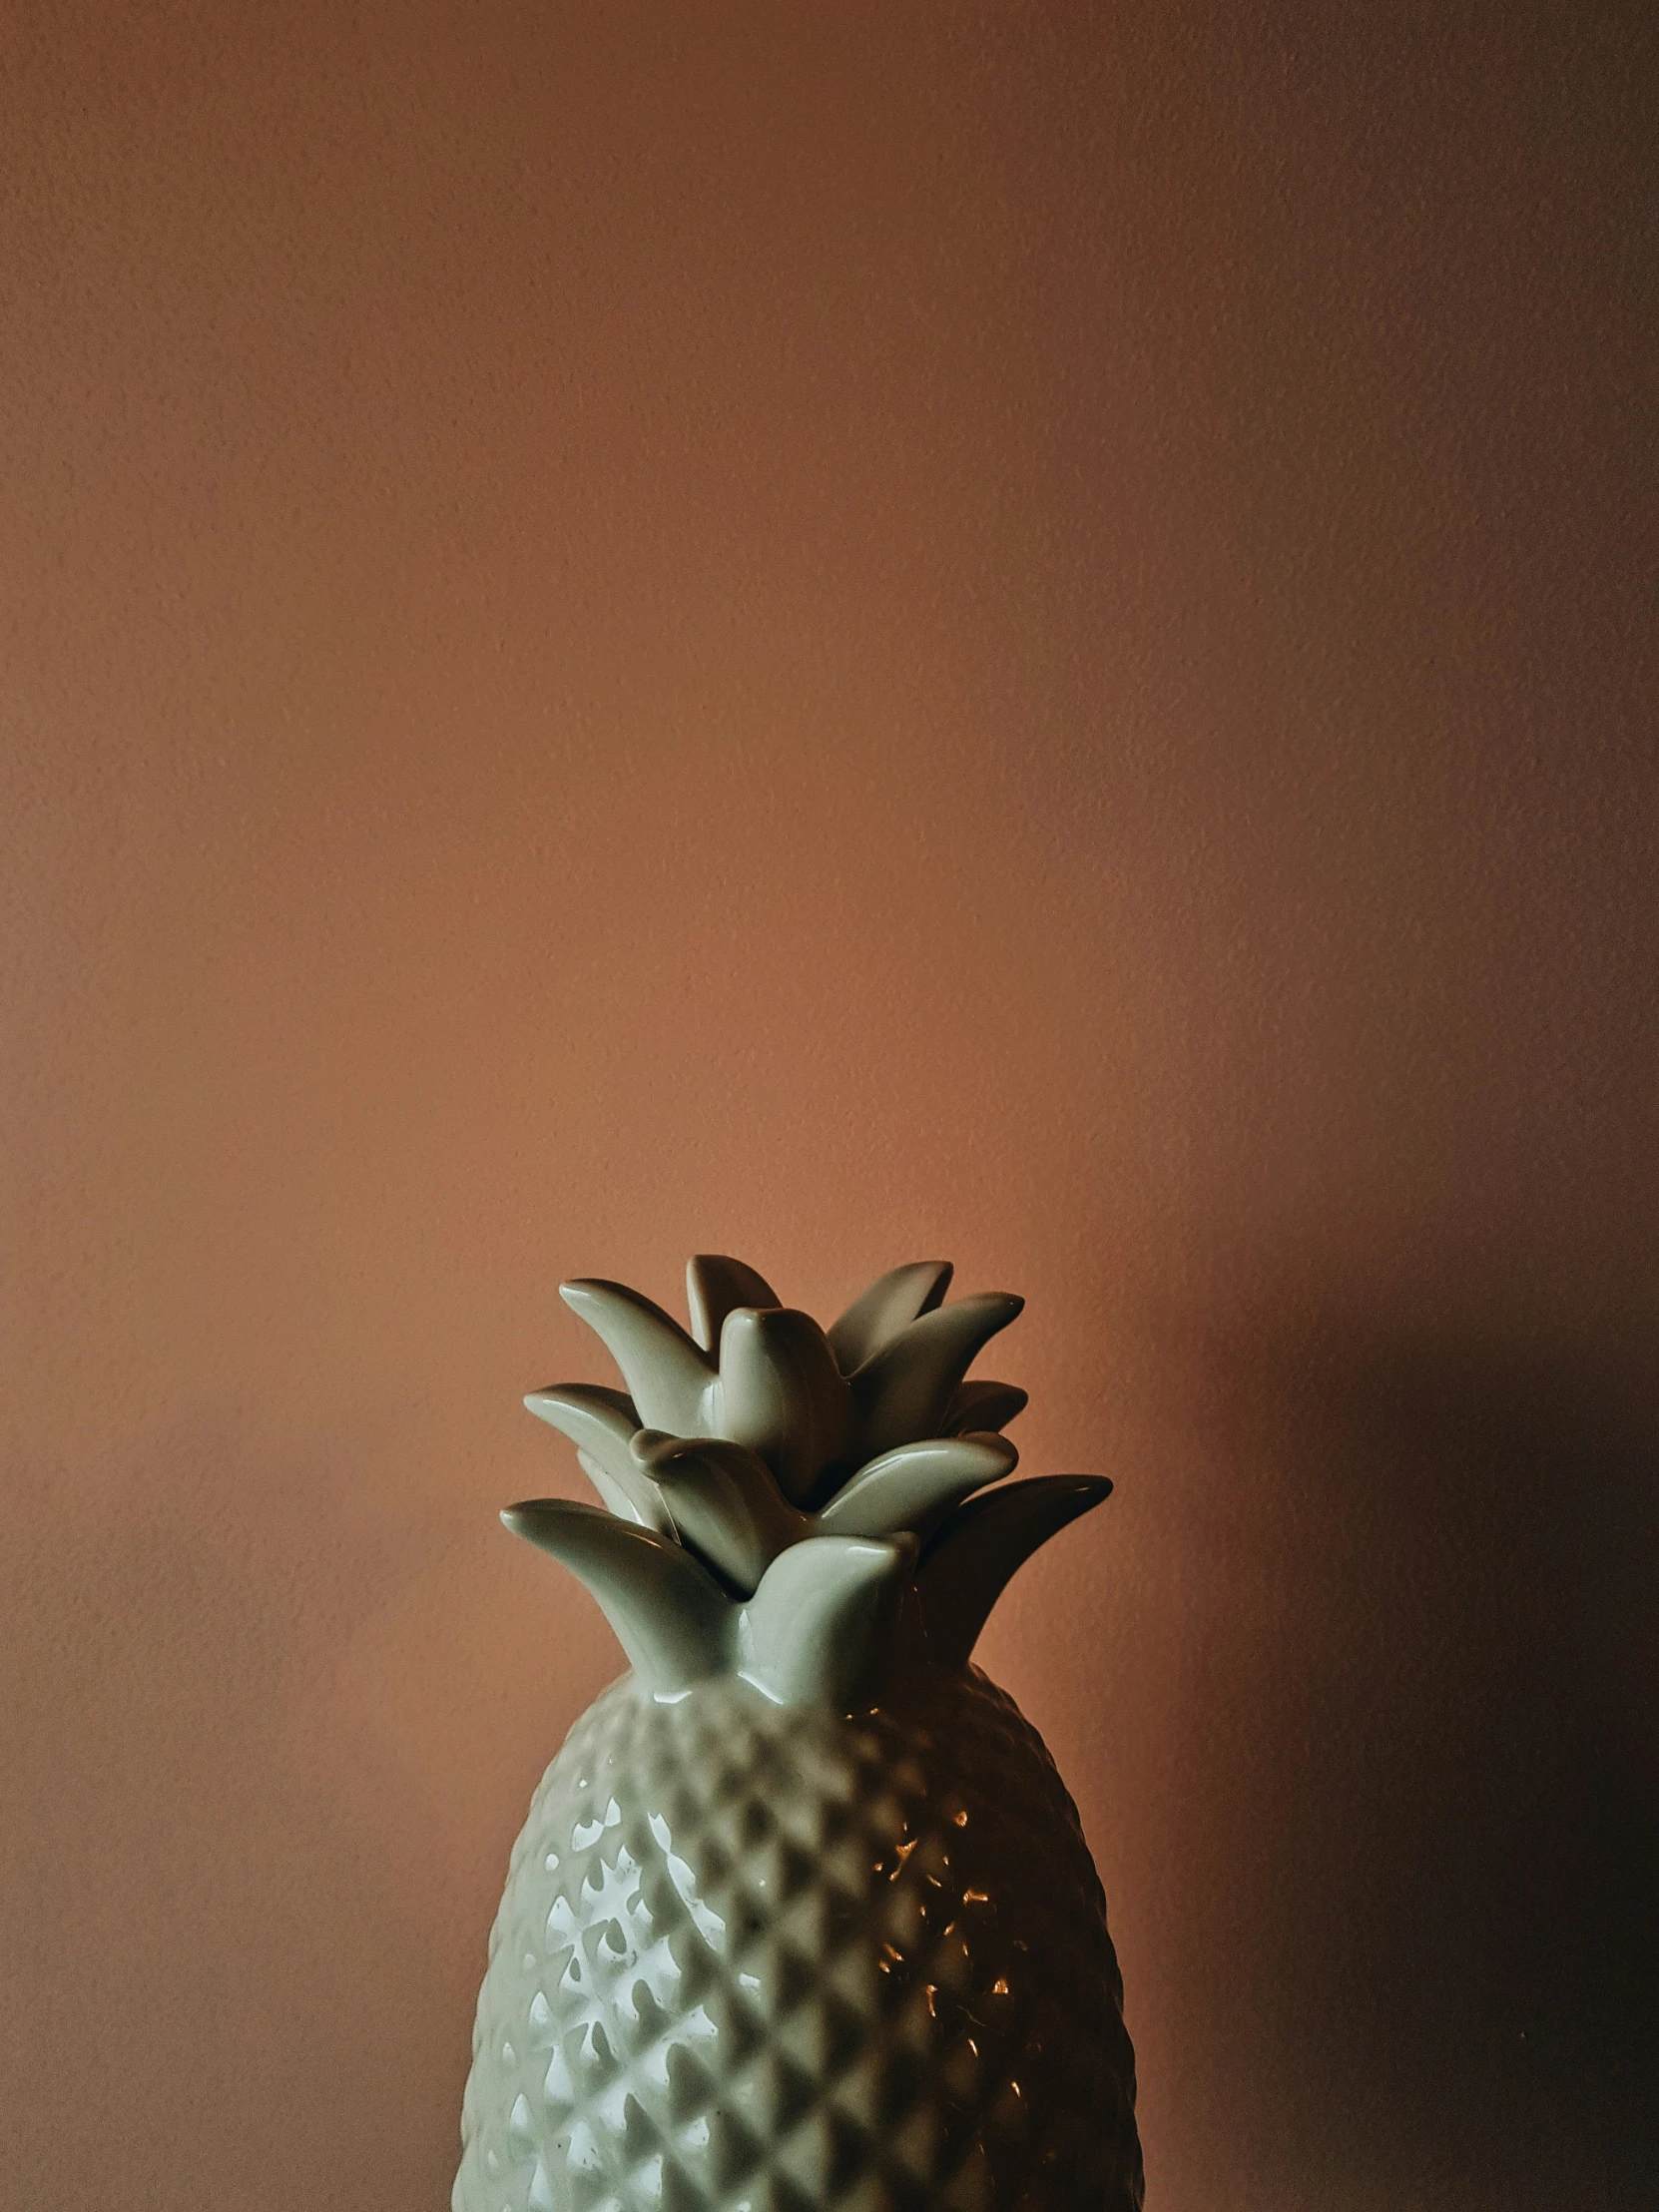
<point>724,1504</point>
<point>979,1407</point>
<point>983,1546</point>
<point>715,1286</point>
<point>602,1425</point>
<point>889,1304</point>
<point>905,1390</point>
<point>910,1488</point>
<point>782,1394</point>
<point>667,1377</point>
<point>671,1619</point>
<point>814,1626</point>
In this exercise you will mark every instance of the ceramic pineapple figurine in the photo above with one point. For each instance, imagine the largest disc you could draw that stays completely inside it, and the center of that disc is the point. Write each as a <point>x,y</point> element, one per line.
<point>802,1916</point>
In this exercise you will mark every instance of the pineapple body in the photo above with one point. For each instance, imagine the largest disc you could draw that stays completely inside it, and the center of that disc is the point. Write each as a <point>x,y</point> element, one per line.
<point>754,1957</point>
<point>802,1920</point>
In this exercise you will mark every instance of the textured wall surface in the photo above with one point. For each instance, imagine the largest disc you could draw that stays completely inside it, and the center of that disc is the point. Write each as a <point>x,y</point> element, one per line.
<point>842,633</point>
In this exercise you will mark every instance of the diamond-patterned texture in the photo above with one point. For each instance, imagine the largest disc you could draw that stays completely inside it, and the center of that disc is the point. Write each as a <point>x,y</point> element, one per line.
<point>756,1958</point>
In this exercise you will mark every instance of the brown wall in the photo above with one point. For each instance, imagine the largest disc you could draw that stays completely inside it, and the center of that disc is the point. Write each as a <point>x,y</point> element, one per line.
<point>840,633</point>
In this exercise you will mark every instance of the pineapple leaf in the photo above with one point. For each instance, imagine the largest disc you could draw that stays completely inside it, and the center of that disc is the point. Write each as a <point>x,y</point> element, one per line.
<point>910,1488</point>
<point>723,1501</point>
<point>715,1286</point>
<point>879,1314</point>
<point>601,1424</point>
<point>668,1614</point>
<point>814,1626</point>
<point>902,1391</point>
<point>983,1546</point>
<point>669,1379</point>
<point>782,1394</point>
<point>646,1513</point>
<point>981,1407</point>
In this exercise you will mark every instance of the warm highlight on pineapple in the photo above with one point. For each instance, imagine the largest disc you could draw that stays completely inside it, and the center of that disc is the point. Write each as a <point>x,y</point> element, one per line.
<point>802,1916</point>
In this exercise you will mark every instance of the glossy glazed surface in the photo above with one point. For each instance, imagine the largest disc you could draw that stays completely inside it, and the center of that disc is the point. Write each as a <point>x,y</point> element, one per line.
<point>753,1958</point>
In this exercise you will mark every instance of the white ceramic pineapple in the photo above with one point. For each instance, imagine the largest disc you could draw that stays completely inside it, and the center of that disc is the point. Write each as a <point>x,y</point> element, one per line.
<point>802,1916</point>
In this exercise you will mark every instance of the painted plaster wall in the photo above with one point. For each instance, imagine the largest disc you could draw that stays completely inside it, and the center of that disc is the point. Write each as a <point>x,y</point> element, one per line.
<point>840,633</point>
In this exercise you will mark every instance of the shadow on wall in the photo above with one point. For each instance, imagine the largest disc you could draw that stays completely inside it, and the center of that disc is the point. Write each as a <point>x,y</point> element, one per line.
<point>1432,1706</point>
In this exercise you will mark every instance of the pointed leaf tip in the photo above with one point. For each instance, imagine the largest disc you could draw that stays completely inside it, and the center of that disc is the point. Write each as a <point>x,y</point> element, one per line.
<point>982,1547</point>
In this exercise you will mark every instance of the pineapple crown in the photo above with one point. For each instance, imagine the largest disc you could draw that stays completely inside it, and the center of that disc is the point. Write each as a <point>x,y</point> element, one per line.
<point>800,1506</point>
